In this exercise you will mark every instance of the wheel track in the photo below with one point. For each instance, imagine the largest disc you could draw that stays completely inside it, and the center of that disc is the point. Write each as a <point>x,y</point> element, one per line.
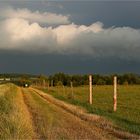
<point>30,114</point>
<point>104,126</point>
<point>72,126</point>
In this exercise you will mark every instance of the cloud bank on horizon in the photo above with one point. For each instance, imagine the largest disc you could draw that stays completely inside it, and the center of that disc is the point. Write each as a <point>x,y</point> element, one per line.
<point>22,30</point>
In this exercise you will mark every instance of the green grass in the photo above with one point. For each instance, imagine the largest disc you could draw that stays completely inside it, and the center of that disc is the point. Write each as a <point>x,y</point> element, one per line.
<point>127,116</point>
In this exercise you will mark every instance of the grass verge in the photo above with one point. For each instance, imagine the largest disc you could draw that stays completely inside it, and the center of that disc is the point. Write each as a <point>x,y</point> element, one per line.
<point>15,122</point>
<point>127,116</point>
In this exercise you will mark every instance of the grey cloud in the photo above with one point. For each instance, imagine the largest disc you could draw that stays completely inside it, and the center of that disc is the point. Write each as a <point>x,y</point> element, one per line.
<point>93,40</point>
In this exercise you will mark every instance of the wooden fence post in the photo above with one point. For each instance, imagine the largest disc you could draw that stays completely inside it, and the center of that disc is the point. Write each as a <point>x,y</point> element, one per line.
<point>115,93</point>
<point>51,83</point>
<point>48,84</point>
<point>90,89</point>
<point>44,83</point>
<point>71,84</point>
<point>63,89</point>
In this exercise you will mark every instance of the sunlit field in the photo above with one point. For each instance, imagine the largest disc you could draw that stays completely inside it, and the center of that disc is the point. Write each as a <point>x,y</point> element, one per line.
<point>24,114</point>
<point>127,116</point>
<point>28,113</point>
<point>15,122</point>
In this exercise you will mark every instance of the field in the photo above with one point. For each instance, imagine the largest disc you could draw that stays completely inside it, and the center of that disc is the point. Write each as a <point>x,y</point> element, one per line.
<point>28,113</point>
<point>127,116</point>
<point>15,121</point>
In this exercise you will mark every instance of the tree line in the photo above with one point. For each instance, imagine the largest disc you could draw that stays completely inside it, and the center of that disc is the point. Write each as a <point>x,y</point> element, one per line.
<point>59,79</point>
<point>65,79</point>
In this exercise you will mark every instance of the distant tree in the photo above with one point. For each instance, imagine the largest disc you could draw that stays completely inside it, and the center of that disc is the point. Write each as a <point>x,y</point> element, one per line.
<point>125,82</point>
<point>101,82</point>
<point>97,79</point>
<point>42,80</point>
<point>59,83</point>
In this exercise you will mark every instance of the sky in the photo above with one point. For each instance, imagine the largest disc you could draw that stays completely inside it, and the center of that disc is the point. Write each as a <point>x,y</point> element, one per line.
<point>75,37</point>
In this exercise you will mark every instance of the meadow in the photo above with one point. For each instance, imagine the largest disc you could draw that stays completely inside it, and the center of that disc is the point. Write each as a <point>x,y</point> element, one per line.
<point>28,113</point>
<point>25,114</point>
<point>127,116</point>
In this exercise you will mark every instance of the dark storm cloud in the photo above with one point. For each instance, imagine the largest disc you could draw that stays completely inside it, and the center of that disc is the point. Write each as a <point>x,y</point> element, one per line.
<point>82,46</point>
<point>49,64</point>
<point>111,13</point>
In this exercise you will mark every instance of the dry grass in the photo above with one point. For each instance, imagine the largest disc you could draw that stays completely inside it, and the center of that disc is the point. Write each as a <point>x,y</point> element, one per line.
<point>53,122</point>
<point>32,114</point>
<point>127,116</point>
<point>76,110</point>
<point>3,88</point>
<point>15,122</point>
<point>98,121</point>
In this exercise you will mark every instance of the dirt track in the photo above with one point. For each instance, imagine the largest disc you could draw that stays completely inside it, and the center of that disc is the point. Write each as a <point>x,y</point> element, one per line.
<point>54,120</point>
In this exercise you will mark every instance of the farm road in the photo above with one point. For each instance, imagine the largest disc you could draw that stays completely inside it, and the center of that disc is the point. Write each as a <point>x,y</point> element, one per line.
<point>51,121</point>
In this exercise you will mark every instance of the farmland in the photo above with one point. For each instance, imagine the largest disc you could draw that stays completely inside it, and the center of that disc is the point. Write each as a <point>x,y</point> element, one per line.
<point>28,113</point>
<point>127,116</point>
